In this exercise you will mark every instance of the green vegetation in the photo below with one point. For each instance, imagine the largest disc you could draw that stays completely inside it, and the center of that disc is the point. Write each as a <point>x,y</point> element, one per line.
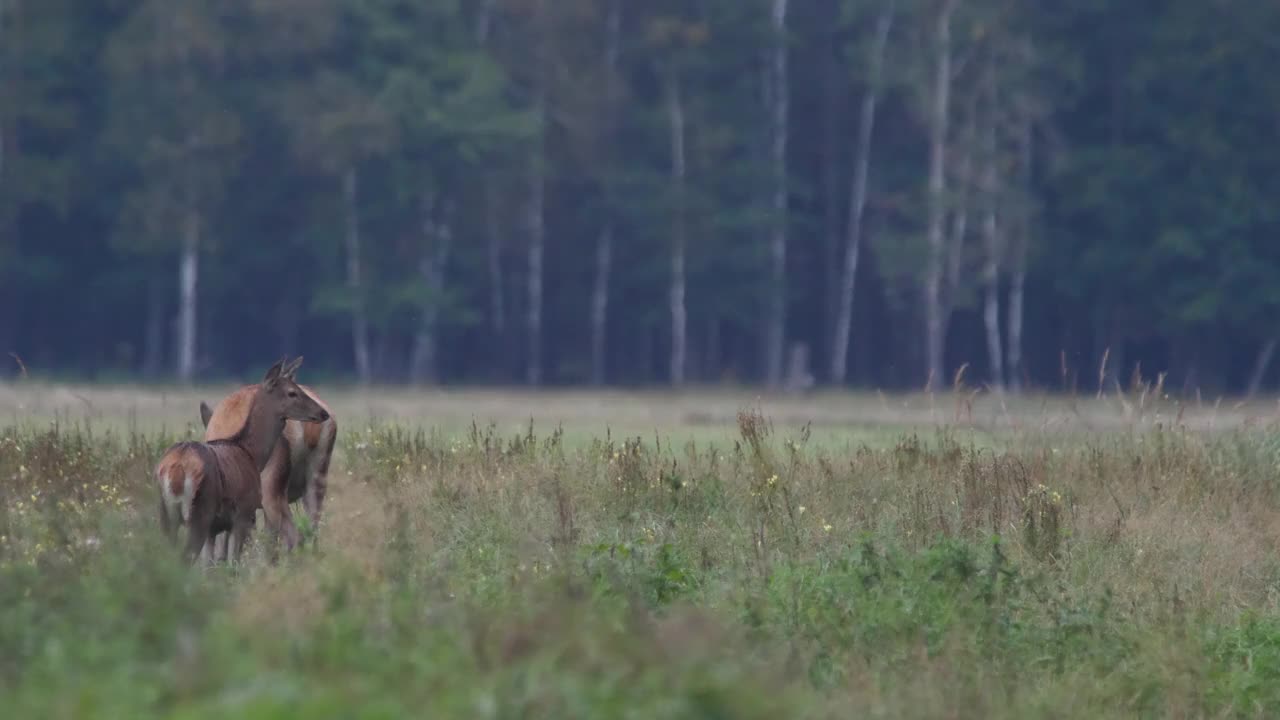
<point>494,574</point>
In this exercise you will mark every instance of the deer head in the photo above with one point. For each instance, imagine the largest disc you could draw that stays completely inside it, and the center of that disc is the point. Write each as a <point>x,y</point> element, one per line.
<point>281,393</point>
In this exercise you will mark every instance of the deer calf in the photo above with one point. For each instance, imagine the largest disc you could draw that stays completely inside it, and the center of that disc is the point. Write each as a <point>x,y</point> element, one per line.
<point>214,485</point>
<point>298,467</point>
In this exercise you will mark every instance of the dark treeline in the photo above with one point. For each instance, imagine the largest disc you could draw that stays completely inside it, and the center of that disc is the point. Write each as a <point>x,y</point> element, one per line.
<point>864,192</point>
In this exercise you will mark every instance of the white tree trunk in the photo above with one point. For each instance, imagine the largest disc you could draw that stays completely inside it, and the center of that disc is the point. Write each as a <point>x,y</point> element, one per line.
<point>493,234</point>
<point>437,239</point>
<point>188,275</point>
<point>935,322</point>
<point>1017,285</point>
<point>991,298</point>
<point>497,300</point>
<point>961,192</point>
<point>779,99</point>
<point>604,244</point>
<point>7,82</point>
<point>1018,259</point>
<point>834,79</point>
<point>858,198</point>
<point>600,304</point>
<point>355,284</point>
<point>991,231</point>
<point>1260,366</point>
<point>484,21</point>
<point>679,318</point>
<point>537,241</point>
<point>535,218</point>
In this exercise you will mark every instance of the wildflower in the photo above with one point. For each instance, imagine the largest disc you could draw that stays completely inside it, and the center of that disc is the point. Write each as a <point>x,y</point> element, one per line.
<point>826,526</point>
<point>802,508</point>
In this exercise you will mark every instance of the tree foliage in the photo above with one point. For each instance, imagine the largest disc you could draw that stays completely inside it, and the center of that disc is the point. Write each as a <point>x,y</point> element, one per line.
<point>1122,152</point>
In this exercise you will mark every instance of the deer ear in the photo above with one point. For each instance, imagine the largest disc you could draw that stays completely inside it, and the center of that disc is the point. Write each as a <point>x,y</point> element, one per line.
<point>273,374</point>
<point>205,413</point>
<point>292,368</point>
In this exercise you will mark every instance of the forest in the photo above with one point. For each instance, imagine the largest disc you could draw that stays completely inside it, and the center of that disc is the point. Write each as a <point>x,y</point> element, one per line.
<point>862,193</point>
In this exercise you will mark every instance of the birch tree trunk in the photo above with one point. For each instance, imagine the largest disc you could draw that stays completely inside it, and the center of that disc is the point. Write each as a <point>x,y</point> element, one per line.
<point>10,50</point>
<point>833,80</point>
<point>7,100</point>
<point>991,232</point>
<point>188,273</point>
<point>858,197</point>
<point>961,193</point>
<point>1018,258</point>
<point>604,243</point>
<point>493,234</point>
<point>1260,366</point>
<point>779,99</point>
<point>355,285</point>
<point>536,208</point>
<point>437,239</point>
<point>537,240</point>
<point>935,328</point>
<point>679,318</point>
<point>600,303</point>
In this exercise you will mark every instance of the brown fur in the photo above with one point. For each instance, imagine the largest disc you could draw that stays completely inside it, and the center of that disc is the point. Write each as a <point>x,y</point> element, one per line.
<point>220,497</point>
<point>297,469</point>
<point>214,486</point>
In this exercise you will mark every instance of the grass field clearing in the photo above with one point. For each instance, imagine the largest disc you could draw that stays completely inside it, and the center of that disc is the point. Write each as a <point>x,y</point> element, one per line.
<point>631,554</point>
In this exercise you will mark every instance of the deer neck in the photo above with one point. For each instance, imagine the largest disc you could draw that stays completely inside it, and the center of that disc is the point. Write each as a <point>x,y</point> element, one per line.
<point>262,428</point>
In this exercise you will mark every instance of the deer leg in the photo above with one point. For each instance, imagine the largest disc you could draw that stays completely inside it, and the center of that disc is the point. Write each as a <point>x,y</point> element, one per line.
<point>278,517</point>
<point>220,542</point>
<point>313,500</point>
<point>317,483</point>
<point>239,533</point>
<point>197,534</point>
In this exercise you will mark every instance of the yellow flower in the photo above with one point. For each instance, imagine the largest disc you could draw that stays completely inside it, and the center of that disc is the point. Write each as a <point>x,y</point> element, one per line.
<point>802,508</point>
<point>826,526</point>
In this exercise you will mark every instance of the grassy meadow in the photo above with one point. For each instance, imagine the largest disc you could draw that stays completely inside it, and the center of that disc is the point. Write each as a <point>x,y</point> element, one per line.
<point>708,554</point>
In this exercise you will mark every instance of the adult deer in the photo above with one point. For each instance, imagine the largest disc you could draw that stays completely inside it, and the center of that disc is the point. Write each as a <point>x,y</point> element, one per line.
<point>214,485</point>
<point>297,469</point>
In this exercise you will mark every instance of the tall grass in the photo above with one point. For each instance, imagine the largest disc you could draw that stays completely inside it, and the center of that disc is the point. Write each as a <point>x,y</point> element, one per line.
<point>500,574</point>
